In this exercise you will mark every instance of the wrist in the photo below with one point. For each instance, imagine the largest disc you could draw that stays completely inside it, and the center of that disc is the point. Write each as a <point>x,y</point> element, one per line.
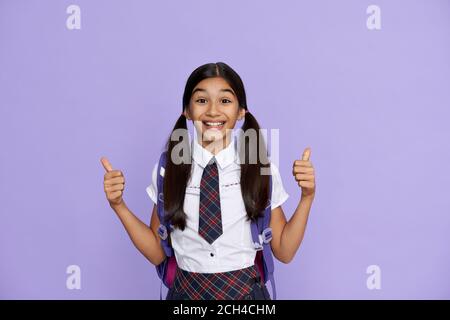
<point>308,197</point>
<point>116,206</point>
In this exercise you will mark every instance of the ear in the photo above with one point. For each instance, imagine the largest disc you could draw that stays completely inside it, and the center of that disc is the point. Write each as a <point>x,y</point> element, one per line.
<point>186,114</point>
<point>241,113</point>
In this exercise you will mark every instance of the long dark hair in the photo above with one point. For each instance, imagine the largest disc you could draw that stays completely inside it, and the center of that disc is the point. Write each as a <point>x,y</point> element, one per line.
<point>254,185</point>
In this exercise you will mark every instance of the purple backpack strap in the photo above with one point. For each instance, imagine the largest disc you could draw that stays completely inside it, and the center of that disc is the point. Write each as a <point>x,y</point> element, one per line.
<point>164,227</point>
<point>262,235</point>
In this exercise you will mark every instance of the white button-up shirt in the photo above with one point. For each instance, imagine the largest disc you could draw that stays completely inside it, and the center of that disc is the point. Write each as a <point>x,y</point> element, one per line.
<point>234,249</point>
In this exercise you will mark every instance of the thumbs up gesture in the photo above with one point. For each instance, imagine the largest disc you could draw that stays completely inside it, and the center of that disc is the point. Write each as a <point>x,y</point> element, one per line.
<point>303,172</point>
<point>114,183</point>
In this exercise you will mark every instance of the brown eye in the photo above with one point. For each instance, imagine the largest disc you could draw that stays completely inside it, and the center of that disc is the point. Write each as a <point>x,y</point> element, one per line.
<point>226,100</point>
<point>201,100</point>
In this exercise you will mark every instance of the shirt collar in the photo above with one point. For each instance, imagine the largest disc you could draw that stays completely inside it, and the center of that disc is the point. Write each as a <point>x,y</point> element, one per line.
<point>224,157</point>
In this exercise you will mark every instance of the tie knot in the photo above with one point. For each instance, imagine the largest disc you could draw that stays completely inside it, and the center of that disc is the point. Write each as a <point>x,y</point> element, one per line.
<point>212,161</point>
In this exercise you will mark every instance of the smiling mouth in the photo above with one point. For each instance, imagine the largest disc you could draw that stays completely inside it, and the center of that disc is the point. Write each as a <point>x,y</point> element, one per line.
<point>214,124</point>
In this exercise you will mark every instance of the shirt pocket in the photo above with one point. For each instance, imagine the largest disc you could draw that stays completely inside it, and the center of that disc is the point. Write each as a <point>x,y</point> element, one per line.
<point>193,190</point>
<point>231,185</point>
<point>232,205</point>
<point>191,205</point>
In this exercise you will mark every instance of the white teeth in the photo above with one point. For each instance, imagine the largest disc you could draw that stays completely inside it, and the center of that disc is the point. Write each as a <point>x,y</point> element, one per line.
<point>214,123</point>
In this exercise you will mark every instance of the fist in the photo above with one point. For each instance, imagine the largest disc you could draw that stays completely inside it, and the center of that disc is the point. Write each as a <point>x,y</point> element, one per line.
<point>303,172</point>
<point>114,183</point>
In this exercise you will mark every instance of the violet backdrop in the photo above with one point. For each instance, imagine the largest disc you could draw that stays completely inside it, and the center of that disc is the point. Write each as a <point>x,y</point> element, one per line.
<point>373,105</point>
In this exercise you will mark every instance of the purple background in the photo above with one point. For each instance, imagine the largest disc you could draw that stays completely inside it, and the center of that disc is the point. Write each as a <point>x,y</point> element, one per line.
<point>373,106</point>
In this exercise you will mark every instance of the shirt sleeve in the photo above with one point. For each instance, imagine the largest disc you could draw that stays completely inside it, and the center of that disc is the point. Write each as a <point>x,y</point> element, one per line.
<point>279,195</point>
<point>152,189</point>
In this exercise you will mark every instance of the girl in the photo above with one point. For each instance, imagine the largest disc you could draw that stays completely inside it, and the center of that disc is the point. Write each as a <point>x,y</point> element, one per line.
<point>211,195</point>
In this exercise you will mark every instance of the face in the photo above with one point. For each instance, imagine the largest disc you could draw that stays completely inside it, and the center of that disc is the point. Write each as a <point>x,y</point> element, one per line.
<point>214,109</point>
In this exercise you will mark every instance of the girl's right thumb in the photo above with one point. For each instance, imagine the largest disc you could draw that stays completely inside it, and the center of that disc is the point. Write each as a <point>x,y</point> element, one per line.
<point>106,164</point>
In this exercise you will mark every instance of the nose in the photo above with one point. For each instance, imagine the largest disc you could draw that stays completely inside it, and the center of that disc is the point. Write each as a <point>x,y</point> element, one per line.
<point>212,110</point>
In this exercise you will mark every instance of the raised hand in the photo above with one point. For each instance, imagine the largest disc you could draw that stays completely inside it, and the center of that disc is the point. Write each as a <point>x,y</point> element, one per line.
<point>303,171</point>
<point>114,183</point>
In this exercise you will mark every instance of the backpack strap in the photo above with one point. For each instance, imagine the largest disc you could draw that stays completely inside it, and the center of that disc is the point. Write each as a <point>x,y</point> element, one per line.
<point>262,235</point>
<point>164,227</point>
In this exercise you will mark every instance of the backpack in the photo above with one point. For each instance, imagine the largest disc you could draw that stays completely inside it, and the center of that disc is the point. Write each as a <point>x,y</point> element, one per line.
<point>261,235</point>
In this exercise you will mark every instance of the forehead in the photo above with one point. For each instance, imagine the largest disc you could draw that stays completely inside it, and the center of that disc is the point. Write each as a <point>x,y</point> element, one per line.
<point>214,85</point>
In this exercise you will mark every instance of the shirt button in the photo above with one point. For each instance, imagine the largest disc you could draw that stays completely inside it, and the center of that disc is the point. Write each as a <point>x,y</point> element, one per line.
<point>211,254</point>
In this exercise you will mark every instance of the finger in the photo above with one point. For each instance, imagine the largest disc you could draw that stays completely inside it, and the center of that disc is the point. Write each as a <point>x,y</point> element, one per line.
<point>115,195</point>
<point>115,180</point>
<point>306,184</point>
<point>112,174</point>
<point>306,154</point>
<point>106,164</point>
<point>303,163</point>
<point>298,169</point>
<point>115,187</point>
<point>304,177</point>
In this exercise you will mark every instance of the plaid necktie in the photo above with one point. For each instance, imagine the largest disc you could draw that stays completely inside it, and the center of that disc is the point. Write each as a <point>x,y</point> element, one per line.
<point>210,219</point>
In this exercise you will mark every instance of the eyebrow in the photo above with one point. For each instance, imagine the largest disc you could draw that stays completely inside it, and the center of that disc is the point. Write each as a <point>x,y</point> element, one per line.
<point>203,90</point>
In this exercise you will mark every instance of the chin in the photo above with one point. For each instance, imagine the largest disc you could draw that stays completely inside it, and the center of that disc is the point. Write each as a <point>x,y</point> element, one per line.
<point>213,135</point>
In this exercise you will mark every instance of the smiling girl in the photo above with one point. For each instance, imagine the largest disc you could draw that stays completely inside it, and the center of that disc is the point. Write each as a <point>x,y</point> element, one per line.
<point>211,199</point>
